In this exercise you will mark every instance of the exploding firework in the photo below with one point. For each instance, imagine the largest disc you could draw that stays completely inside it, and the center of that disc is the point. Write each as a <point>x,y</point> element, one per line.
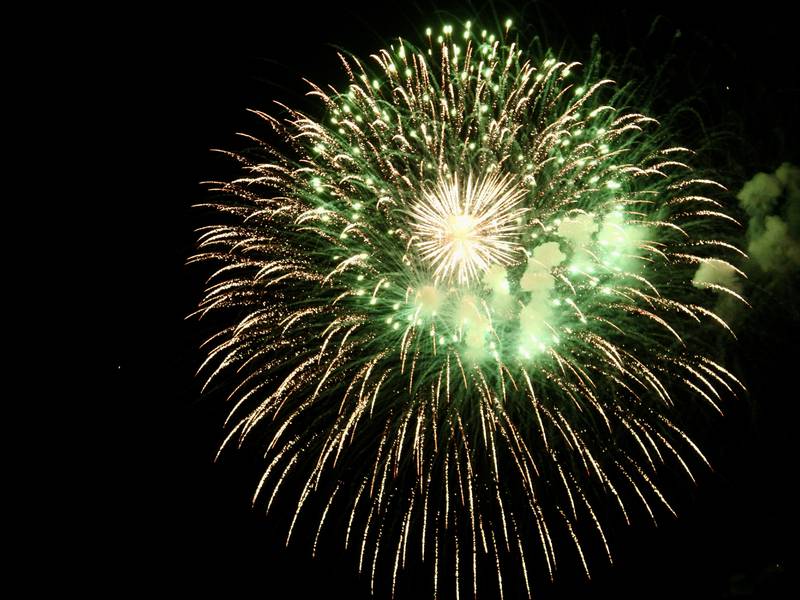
<point>461,306</point>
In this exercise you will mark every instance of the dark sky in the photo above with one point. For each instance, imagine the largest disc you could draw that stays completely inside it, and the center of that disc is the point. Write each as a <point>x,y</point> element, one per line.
<point>175,523</point>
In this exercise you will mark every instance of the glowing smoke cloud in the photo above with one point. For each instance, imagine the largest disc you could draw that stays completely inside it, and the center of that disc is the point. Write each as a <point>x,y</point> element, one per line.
<point>773,203</point>
<point>768,274</point>
<point>462,306</point>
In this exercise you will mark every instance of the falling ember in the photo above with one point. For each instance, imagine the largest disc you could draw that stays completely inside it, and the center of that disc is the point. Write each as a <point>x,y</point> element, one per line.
<point>460,308</point>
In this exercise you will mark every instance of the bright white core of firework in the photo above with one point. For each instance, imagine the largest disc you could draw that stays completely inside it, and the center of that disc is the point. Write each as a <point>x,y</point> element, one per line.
<point>462,230</point>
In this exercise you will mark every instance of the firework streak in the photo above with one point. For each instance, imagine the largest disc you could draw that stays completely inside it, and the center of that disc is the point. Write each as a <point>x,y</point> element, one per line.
<point>461,307</point>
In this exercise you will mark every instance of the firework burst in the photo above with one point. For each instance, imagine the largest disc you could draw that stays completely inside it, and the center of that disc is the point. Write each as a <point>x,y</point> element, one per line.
<point>461,306</point>
<point>463,231</point>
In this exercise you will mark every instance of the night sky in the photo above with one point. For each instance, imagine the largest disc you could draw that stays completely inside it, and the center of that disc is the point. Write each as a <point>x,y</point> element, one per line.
<point>173,522</point>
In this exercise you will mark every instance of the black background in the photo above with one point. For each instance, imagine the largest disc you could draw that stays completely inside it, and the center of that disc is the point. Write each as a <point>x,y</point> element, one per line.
<point>172,521</point>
